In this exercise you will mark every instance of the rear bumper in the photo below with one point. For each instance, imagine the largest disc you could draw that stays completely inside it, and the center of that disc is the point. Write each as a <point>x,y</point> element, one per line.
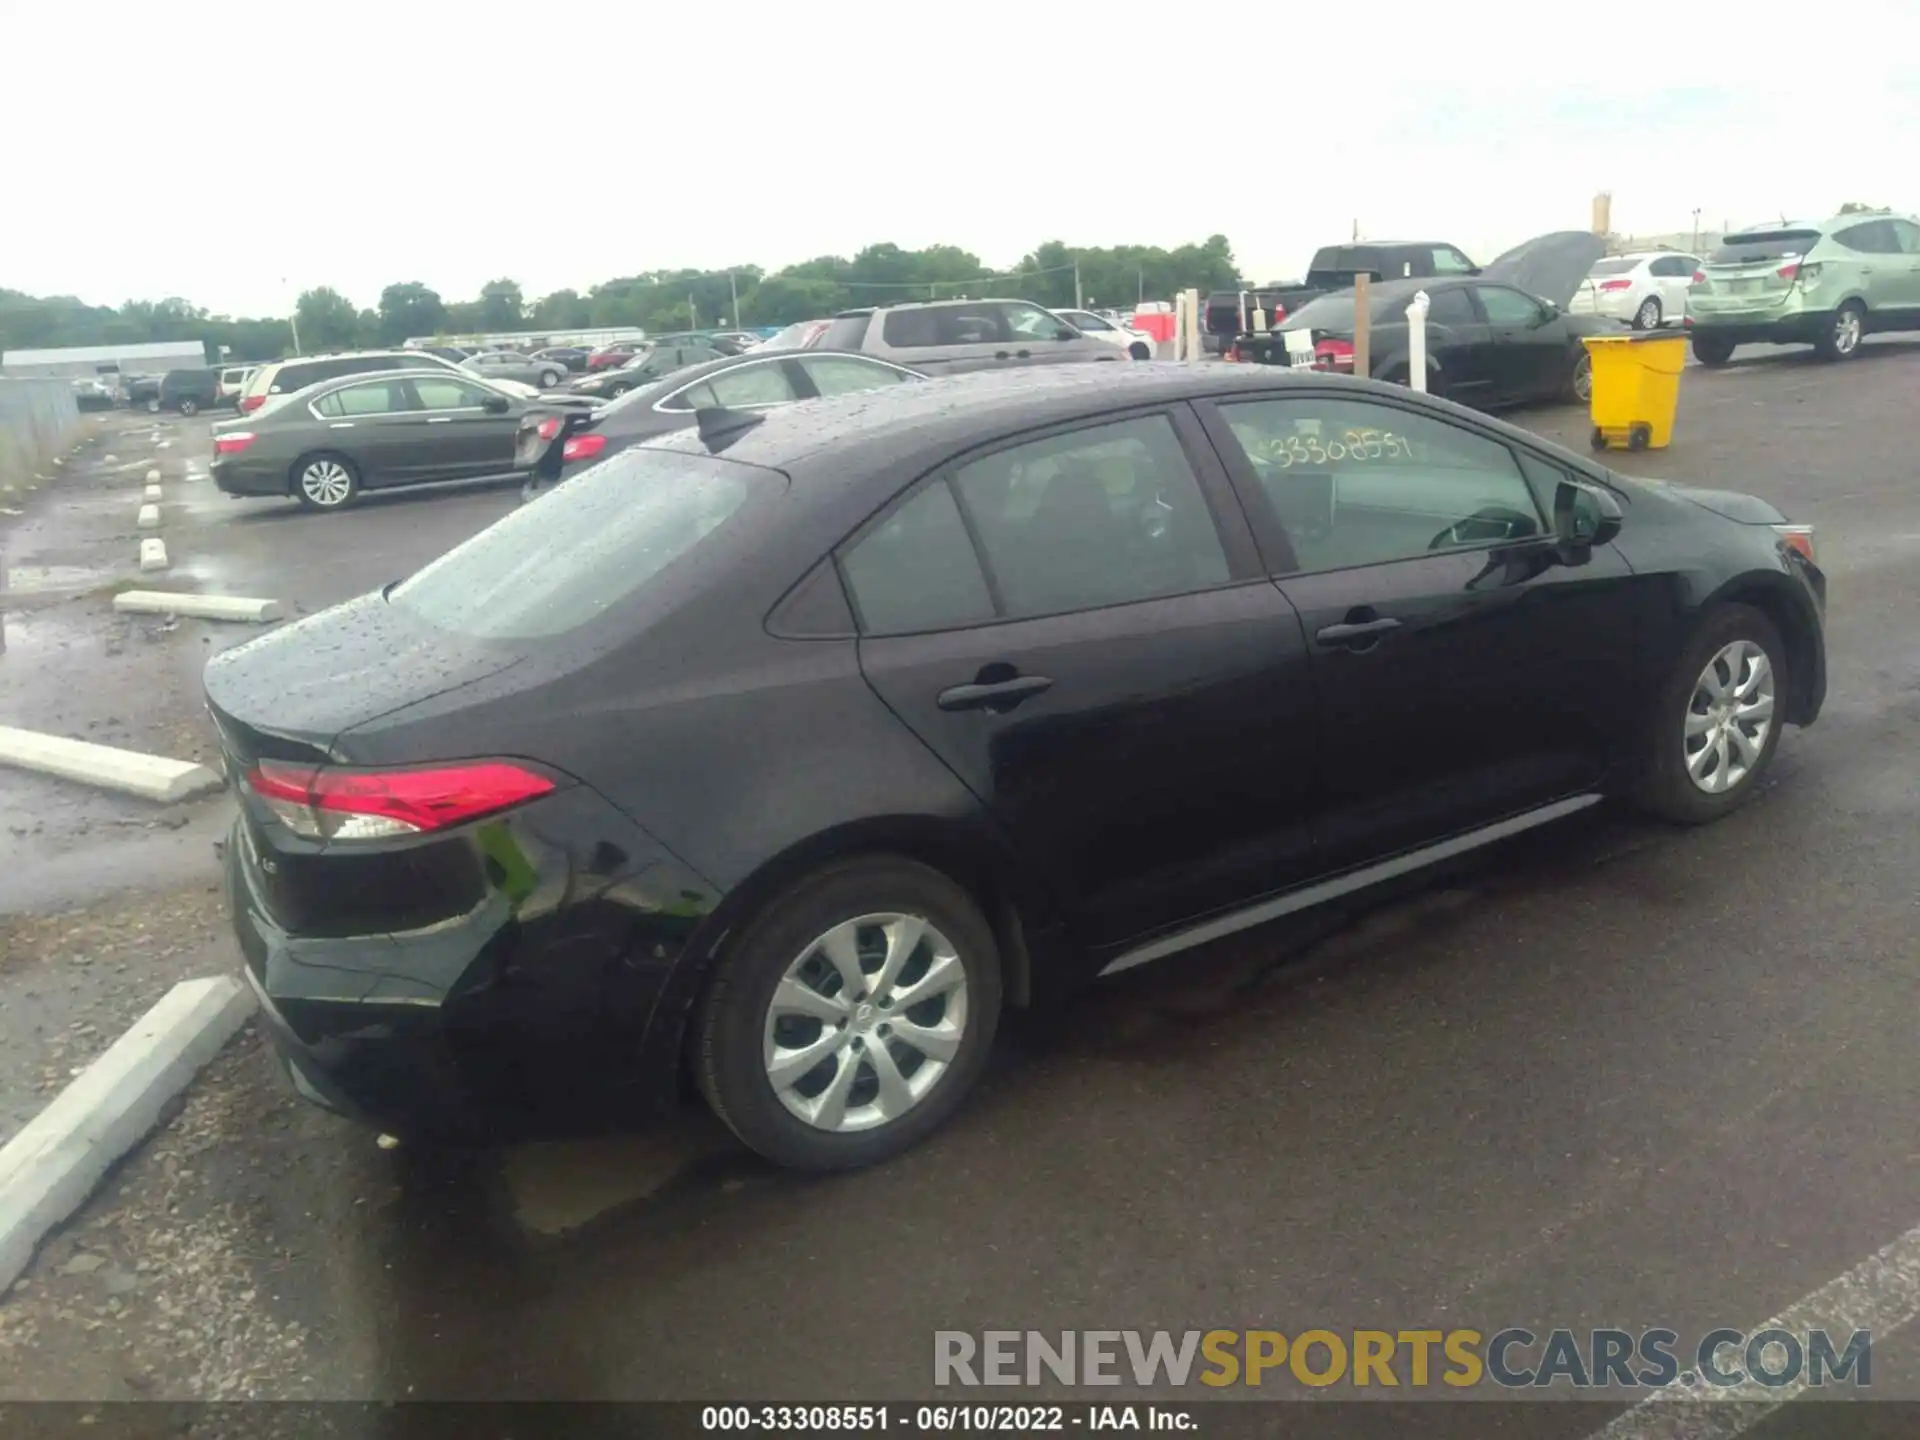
<point>236,479</point>
<point>1614,305</point>
<point>1755,327</point>
<point>540,999</point>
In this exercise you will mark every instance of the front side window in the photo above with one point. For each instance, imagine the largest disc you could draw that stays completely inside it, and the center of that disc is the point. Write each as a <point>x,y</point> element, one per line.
<point>1102,516</point>
<point>1357,483</point>
<point>1449,261</point>
<point>1508,307</point>
<point>1084,321</point>
<point>1030,322</point>
<point>446,393</point>
<point>916,570</point>
<point>843,374</point>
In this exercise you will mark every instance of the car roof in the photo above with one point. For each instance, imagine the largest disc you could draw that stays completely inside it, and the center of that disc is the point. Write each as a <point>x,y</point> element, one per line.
<point>899,425</point>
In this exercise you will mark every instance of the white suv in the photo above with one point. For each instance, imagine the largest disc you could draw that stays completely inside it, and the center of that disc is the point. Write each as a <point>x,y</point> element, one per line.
<point>1136,343</point>
<point>1646,290</point>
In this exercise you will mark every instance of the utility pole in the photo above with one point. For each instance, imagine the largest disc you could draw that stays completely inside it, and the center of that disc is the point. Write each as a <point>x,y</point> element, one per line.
<point>1078,303</point>
<point>733,293</point>
<point>1696,227</point>
<point>1140,296</point>
<point>1356,231</point>
<point>693,316</point>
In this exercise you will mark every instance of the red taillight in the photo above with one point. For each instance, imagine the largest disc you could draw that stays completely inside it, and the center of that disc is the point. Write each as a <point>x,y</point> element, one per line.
<point>1616,284</point>
<point>327,804</point>
<point>582,447</point>
<point>1333,354</point>
<point>251,403</point>
<point>232,444</point>
<point>1699,278</point>
<point>1788,271</point>
<point>549,427</point>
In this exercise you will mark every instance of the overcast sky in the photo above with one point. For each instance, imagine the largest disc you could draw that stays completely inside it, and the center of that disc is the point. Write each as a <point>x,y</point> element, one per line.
<point>240,155</point>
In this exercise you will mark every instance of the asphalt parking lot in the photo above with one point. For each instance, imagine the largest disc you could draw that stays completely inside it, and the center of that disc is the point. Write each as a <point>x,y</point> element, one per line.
<point>1617,1076</point>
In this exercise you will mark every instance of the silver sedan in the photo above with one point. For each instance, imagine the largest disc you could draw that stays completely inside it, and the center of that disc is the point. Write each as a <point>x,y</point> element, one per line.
<point>506,365</point>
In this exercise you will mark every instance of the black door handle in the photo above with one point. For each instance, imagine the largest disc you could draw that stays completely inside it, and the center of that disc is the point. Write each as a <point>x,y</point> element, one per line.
<point>1358,634</point>
<point>1024,354</point>
<point>1002,355</point>
<point>999,695</point>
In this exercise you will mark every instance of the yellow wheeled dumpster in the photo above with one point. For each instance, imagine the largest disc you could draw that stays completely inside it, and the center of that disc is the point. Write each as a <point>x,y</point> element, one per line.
<point>1636,389</point>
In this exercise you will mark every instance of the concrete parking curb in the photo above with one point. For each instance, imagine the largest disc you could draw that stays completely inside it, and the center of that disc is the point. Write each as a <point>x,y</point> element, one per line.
<point>199,607</point>
<point>153,477</point>
<point>49,1169</point>
<point>149,517</point>
<point>151,494</point>
<point>153,555</point>
<point>151,777</point>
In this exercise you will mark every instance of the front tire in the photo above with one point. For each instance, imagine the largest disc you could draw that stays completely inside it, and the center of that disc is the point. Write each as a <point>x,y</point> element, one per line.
<point>1842,336</point>
<point>325,481</point>
<point>549,379</point>
<point>1647,317</point>
<point>1139,351</point>
<point>851,1017</point>
<point>615,390</point>
<point>1580,378</point>
<point>1713,350</point>
<point>189,406</point>
<point>1717,719</point>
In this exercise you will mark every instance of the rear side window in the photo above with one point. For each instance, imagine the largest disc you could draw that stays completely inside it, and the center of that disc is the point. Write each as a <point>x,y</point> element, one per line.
<point>1875,237</point>
<point>1449,261</point>
<point>1451,306</point>
<point>843,374</point>
<point>916,570</point>
<point>1754,246</point>
<point>582,550</point>
<point>843,332</point>
<point>1603,268</point>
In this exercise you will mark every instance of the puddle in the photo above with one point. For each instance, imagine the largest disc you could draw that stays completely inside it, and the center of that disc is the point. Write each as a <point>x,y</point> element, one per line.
<point>29,580</point>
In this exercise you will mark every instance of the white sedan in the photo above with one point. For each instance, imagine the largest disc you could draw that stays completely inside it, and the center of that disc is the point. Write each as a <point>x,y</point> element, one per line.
<point>1136,343</point>
<point>1646,290</point>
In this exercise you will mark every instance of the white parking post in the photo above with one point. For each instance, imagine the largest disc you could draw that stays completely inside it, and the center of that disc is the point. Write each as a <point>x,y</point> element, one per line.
<point>1196,350</point>
<point>1417,341</point>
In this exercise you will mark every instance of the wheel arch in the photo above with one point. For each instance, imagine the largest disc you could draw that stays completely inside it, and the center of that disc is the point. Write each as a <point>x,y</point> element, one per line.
<point>1018,913</point>
<point>1773,596</point>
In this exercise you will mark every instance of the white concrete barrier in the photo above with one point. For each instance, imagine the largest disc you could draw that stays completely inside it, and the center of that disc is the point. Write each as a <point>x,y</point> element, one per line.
<point>153,555</point>
<point>149,517</point>
<point>49,1168</point>
<point>199,607</point>
<point>151,777</point>
<point>152,494</point>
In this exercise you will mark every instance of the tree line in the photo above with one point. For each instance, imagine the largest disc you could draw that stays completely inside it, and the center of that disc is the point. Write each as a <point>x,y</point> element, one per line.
<point>662,300</point>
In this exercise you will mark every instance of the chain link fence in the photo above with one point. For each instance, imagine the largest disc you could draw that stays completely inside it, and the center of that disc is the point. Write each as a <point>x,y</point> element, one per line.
<point>38,419</point>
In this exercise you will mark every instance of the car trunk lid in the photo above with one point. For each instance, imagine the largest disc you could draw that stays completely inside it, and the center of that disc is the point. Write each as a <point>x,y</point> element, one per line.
<point>1761,264</point>
<point>290,694</point>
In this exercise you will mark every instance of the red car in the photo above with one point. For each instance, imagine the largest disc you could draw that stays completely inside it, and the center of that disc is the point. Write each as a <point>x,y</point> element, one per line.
<point>614,356</point>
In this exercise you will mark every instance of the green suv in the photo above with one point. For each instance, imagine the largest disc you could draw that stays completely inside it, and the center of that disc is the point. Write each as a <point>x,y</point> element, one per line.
<point>1827,284</point>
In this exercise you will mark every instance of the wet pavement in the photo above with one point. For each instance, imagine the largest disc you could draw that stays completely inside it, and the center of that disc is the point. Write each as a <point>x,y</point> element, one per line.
<point>1619,1075</point>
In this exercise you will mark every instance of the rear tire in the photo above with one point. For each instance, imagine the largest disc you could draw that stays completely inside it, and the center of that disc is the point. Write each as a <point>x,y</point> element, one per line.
<point>549,379</point>
<point>833,1115</point>
<point>1692,731</point>
<point>325,481</point>
<point>1843,333</point>
<point>1138,349</point>
<point>189,406</point>
<point>1713,350</point>
<point>613,390</point>
<point>1647,317</point>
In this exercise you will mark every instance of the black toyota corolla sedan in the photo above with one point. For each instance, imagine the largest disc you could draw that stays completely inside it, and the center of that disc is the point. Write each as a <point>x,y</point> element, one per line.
<point>784,753</point>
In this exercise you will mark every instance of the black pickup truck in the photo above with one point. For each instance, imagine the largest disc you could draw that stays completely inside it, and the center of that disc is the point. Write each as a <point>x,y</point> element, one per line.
<point>1230,312</point>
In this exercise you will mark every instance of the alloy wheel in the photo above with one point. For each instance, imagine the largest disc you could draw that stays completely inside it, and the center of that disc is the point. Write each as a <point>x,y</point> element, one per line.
<point>326,483</point>
<point>1846,331</point>
<point>1728,717</point>
<point>865,1022</point>
<point>1649,313</point>
<point>1583,379</point>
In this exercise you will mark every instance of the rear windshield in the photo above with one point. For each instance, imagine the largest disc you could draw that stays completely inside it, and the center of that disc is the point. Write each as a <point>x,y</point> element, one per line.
<point>583,548</point>
<point>1335,312</point>
<point>1613,267</point>
<point>1757,245</point>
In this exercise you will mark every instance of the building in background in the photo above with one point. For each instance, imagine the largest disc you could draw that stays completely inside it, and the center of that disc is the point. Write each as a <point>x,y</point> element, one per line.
<point>104,361</point>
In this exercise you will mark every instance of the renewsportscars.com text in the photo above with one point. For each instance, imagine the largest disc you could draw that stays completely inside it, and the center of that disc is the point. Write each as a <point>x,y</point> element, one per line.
<point>1512,1359</point>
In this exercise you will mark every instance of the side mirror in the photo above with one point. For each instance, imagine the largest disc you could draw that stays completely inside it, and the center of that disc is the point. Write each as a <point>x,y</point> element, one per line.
<point>1584,516</point>
<point>496,404</point>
